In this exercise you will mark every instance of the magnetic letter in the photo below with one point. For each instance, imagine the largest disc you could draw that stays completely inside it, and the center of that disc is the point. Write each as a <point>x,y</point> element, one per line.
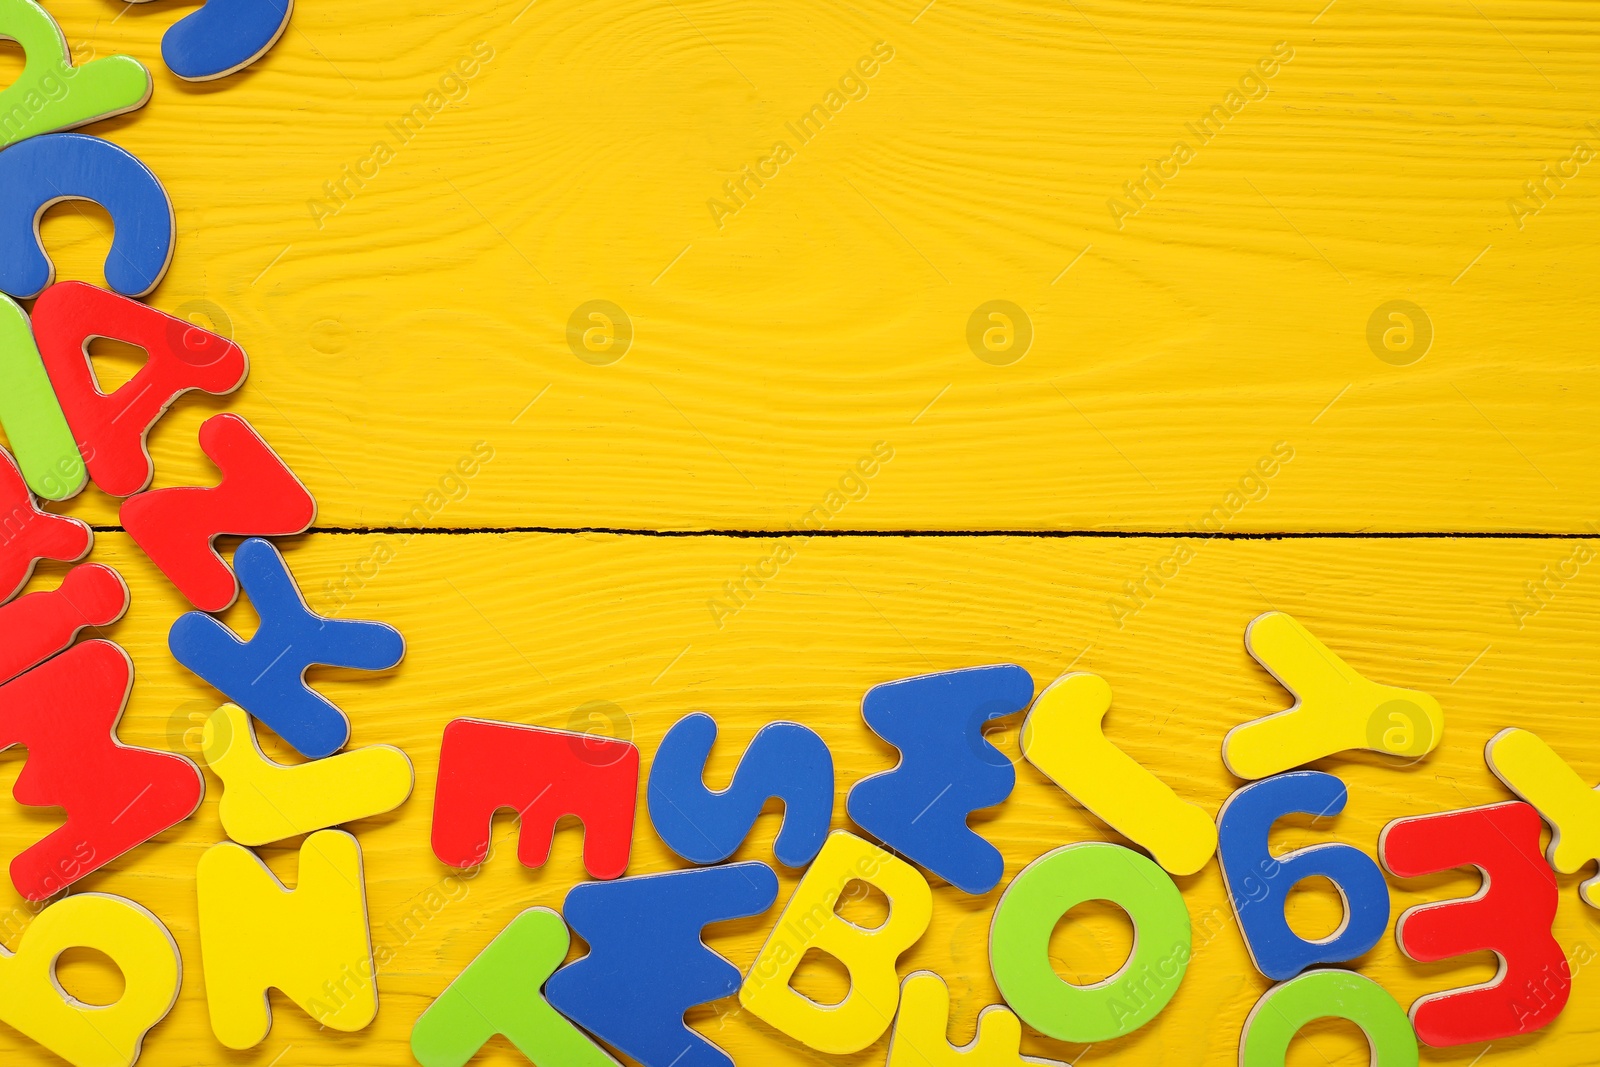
<point>541,775</point>
<point>28,535</point>
<point>223,36</point>
<point>647,964</point>
<point>947,769</point>
<point>117,797</point>
<point>786,761</point>
<point>29,411</point>
<point>1064,738</point>
<point>810,921</point>
<point>39,171</point>
<point>98,90</point>
<point>921,1030</point>
<point>1510,916</point>
<point>111,428</point>
<point>32,1002</point>
<point>311,943</point>
<point>258,495</point>
<point>1335,708</point>
<point>1051,886</point>
<point>1323,995</point>
<point>266,674</point>
<point>500,992</point>
<point>1532,770</point>
<point>1259,883</point>
<point>37,626</point>
<point>265,801</point>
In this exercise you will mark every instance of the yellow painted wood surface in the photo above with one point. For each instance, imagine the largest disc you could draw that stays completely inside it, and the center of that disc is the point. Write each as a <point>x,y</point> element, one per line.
<point>830,311</point>
<point>613,634</point>
<point>1204,364</point>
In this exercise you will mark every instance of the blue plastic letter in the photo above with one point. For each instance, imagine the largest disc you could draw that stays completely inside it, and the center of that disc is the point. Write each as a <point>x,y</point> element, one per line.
<point>40,171</point>
<point>1258,884</point>
<point>786,761</point>
<point>266,674</point>
<point>947,769</point>
<point>223,36</point>
<point>647,965</point>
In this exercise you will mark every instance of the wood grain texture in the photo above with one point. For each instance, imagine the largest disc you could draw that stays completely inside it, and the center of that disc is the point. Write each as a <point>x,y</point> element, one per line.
<point>613,634</point>
<point>420,330</point>
<point>829,312</point>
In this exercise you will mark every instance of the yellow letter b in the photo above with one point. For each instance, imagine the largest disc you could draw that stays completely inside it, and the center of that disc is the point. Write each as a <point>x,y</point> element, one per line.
<point>809,921</point>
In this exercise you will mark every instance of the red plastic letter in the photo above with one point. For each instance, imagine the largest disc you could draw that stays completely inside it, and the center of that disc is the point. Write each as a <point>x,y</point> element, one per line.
<point>258,496</point>
<point>116,797</point>
<point>110,429</point>
<point>41,624</point>
<point>541,775</point>
<point>28,535</point>
<point>1510,917</point>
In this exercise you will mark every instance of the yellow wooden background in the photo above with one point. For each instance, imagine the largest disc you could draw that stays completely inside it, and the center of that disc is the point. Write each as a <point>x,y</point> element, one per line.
<point>427,318</point>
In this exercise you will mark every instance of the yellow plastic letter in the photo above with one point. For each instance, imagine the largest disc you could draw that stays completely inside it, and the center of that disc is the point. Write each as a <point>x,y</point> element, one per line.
<point>265,801</point>
<point>809,921</point>
<point>921,1030</point>
<point>311,943</point>
<point>1063,737</point>
<point>82,1034</point>
<point>1531,769</point>
<point>1335,707</point>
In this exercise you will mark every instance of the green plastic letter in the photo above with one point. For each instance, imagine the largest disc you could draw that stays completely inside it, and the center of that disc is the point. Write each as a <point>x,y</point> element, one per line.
<point>1335,994</point>
<point>500,993</point>
<point>52,94</point>
<point>1052,885</point>
<point>32,419</point>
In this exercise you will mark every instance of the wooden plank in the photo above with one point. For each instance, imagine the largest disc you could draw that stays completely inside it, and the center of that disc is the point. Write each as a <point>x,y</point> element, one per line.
<point>776,344</point>
<point>614,633</point>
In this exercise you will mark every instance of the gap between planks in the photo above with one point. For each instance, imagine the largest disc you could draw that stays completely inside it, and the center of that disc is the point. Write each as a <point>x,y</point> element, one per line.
<point>1133,535</point>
